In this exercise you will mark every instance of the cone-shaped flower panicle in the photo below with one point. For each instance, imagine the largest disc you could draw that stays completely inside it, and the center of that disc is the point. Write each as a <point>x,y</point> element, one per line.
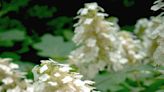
<point>51,76</point>
<point>101,45</point>
<point>152,34</point>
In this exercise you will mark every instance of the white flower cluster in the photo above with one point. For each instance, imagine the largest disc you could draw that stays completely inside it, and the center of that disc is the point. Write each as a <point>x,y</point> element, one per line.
<point>131,47</point>
<point>51,76</point>
<point>152,34</point>
<point>12,80</point>
<point>101,45</point>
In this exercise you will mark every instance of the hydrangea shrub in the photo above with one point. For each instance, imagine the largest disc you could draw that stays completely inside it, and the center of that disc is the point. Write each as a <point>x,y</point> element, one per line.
<point>101,46</point>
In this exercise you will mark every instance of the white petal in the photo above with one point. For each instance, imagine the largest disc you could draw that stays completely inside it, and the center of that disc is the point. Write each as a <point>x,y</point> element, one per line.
<point>88,21</point>
<point>13,66</point>
<point>44,77</point>
<point>57,74</point>
<point>43,68</point>
<point>78,82</point>
<point>82,11</point>
<point>91,42</point>
<point>92,6</point>
<point>67,79</point>
<point>53,83</point>
<point>7,80</point>
<point>64,69</point>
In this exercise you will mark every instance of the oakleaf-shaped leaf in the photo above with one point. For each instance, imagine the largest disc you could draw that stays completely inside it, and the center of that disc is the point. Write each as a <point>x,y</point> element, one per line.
<point>109,81</point>
<point>53,46</point>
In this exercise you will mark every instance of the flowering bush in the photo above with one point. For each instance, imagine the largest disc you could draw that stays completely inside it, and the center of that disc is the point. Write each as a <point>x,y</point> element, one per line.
<point>112,59</point>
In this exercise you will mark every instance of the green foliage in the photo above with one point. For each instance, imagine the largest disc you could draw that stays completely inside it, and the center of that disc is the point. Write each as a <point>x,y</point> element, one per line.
<point>60,21</point>
<point>109,81</point>
<point>128,3</point>
<point>68,34</point>
<point>42,11</point>
<point>12,55</point>
<point>64,23</point>
<point>128,28</point>
<point>136,78</point>
<point>26,44</point>
<point>26,67</point>
<point>7,23</point>
<point>13,5</point>
<point>9,37</point>
<point>53,46</point>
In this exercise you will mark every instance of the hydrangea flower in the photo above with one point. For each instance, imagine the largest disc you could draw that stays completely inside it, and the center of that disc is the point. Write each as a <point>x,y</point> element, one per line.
<point>11,79</point>
<point>101,45</point>
<point>131,47</point>
<point>51,76</point>
<point>152,34</point>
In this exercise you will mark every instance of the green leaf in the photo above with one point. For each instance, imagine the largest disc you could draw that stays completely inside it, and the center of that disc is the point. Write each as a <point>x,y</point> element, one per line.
<point>60,24</point>
<point>53,46</point>
<point>162,90</point>
<point>42,11</point>
<point>8,38</point>
<point>155,86</point>
<point>14,35</point>
<point>160,77</point>
<point>6,43</point>
<point>139,67</point>
<point>26,67</point>
<point>13,5</point>
<point>68,34</point>
<point>25,45</point>
<point>113,19</point>
<point>129,28</point>
<point>109,81</point>
<point>128,3</point>
<point>10,55</point>
<point>7,23</point>
<point>139,72</point>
